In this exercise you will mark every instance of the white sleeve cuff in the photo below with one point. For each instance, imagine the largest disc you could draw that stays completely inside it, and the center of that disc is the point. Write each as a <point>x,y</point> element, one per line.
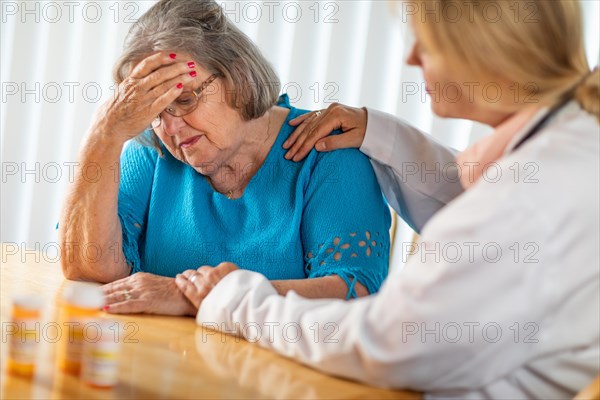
<point>218,307</point>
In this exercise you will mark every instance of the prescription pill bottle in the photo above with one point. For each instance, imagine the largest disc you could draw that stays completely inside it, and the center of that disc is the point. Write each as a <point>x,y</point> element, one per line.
<point>25,334</point>
<point>100,365</point>
<point>80,309</point>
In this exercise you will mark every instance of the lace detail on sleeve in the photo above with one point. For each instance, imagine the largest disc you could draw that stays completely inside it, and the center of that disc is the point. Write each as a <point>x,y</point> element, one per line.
<point>349,257</point>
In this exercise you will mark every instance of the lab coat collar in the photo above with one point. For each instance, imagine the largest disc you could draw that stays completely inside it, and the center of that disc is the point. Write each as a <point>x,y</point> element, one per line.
<point>561,112</point>
<point>525,129</point>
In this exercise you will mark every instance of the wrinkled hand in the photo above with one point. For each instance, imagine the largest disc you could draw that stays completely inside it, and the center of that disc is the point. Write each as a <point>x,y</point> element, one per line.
<point>196,285</point>
<point>146,293</point>
<point>313,130</point>
<point>145,93</point>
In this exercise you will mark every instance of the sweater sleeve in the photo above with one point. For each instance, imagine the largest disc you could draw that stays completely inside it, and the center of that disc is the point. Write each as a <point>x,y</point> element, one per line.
<point>345,222</point>
<point>136,176</point>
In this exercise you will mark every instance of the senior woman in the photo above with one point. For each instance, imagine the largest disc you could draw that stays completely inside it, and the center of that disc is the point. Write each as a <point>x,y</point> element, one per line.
<point>209,182</point>
<point>502,297</point>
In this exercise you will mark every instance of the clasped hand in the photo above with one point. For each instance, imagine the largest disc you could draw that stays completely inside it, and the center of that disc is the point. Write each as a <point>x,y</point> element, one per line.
<point>153,294</point>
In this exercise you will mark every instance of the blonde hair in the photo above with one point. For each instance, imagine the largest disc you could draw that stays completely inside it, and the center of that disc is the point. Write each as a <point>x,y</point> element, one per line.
<point>535,44</point>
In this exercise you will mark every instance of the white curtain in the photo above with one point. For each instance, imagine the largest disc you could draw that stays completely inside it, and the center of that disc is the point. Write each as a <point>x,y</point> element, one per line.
<point>57,57</point>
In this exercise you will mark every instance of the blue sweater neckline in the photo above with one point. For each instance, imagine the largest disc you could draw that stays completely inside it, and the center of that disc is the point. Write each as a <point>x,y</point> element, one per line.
<point>276,152</point>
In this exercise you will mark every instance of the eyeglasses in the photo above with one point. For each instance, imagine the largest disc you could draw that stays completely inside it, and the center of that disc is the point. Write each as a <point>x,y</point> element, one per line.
<point>186,103</point>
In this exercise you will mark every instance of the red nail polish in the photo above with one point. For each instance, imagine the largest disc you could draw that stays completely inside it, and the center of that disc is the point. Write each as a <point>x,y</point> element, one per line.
<point>193,74</point>
<point>192,64</point>
<point>105,308</point>
<point>173,55</point>
<point>179,85</point>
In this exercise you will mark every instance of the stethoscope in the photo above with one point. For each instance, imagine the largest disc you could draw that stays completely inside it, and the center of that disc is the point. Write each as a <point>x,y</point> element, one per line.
<point>540,124</point>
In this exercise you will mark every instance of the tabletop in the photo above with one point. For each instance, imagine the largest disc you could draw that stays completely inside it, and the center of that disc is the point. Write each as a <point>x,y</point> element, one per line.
<point>167,357</point>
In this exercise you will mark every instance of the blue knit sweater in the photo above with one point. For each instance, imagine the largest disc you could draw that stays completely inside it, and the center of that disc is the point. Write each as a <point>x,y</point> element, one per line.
<point>319,217</point>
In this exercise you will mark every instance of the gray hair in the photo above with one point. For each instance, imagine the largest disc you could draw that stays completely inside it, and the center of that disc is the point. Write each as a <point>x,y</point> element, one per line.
<point>200,28</point>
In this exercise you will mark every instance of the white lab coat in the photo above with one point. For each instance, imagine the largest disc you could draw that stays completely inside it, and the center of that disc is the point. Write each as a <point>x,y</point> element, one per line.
<point>502,298</point>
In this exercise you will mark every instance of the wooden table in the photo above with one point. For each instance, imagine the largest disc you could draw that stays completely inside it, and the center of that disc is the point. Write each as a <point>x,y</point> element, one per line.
<point>168,357</point>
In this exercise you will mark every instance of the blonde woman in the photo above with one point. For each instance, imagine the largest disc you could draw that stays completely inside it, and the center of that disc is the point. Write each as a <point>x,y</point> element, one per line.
<point>501,299</point>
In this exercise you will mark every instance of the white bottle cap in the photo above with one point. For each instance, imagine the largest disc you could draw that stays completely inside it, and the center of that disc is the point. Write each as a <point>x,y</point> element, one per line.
<point>28,301</point>
<point>84,295</point>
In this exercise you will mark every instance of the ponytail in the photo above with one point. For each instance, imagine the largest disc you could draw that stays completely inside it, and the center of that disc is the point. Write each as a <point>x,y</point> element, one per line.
<point>587,93</point>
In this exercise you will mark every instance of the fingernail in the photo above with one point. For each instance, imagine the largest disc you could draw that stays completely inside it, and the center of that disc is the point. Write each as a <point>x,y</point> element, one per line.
<point>287,156</point>
<point>179,85</point>
<point>192,64</point>
<point>173,55</point>
<point>193,74</point>
<point>105,308</point>
<point>321,146</point>
<point>285,144</point>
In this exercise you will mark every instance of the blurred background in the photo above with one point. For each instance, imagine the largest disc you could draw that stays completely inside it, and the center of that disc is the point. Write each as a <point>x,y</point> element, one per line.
<point>57,58</point>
